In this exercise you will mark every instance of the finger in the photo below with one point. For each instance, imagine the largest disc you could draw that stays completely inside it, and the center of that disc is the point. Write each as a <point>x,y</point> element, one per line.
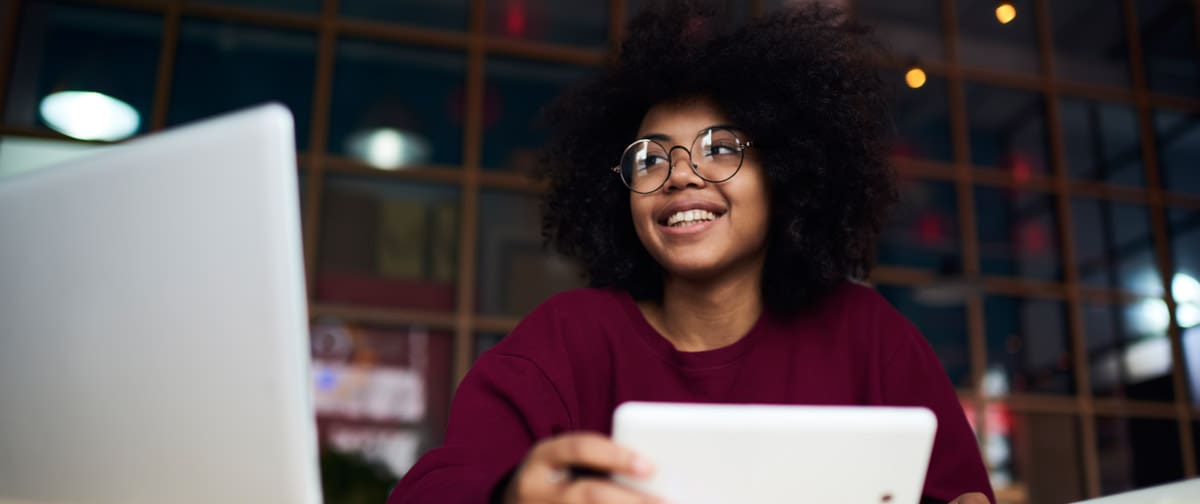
<point>596,452</point>
<point>538,481</point>
<point>599,491</point>
<point>971,498</point>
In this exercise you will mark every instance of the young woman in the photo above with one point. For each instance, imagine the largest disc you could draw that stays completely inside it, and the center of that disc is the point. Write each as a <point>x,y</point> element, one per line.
<point>721,185</point>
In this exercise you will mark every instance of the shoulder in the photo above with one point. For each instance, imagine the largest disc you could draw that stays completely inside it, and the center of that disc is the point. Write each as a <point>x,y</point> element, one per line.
<point>856,309</point>
<point>857,302</point>
<point>585,300</point>
<point>564,318</point>
<point>578,305</point>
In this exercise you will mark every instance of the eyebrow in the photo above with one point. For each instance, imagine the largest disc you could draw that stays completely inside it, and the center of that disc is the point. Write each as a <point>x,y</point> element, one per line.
<point>665,138</point>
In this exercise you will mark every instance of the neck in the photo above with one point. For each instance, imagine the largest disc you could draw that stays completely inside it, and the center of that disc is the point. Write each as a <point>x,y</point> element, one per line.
<point>703,314</point>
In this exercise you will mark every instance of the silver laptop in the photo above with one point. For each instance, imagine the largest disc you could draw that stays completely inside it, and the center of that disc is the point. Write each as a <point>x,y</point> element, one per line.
<point>153,326</point>
<point>706,453</point>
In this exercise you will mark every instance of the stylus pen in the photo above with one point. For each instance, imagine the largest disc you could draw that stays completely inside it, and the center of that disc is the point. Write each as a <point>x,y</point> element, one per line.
<point>579,472</point>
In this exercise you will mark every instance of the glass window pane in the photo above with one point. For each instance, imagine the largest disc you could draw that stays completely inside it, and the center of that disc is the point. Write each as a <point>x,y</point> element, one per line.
<point>381,393</point>
<point>387,243</point>
<point>515,93</point>
<point>1191,355</point>
<point>484,341</point>
<point>1167,29</point>
<point>908,29</point>
<point>1137,452</point>
<point>1177,136</point>
<point>515,272</point>
<point>1028,346</point>
<point>225,66</point>
<point>1018,233</point>
<point>986,42</point>
<point>447,14</point>
<point>1196,440</point>
<point>1007,130</point>
<point>1129,355</point>
<point>1114,247</point>
<point>574,22</point>
<point>313,6</point>
<point>1184,229</point>
<point>923,231</point>
<point>1184,233</point>
<point>1038,455</point>
<point>1089,42</point>
<point>72,48</point>
<point>396,105</point>
<point>942,320</point>
<point>302,185</point>
<point>1102,141</point>
<point>922,118</point>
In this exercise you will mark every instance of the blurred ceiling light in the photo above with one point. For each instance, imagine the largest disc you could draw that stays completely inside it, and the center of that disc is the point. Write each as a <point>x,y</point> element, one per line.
<point>1188,315</point>
<point>1145,281</point>
<point>947,291</point>
<point>1141,360</point>
<point>88,115</point>
<point>950,288</point>
<point>995,381</point>
<point>1185,288</point>
<point>915,77</point>
<point>1186,291</point>
<point>1150,316</point>
<point>388,148</point>
<point>1147,359</point>
<point>1005,12</point>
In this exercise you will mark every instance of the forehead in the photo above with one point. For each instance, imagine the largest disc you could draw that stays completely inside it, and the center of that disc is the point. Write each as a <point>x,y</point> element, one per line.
<point>681,118</point>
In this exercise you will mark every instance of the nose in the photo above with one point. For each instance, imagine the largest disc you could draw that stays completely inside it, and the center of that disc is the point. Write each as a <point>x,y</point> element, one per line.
<point>682,175</point>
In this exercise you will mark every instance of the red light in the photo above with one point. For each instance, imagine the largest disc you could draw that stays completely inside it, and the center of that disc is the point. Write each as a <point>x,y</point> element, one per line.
<point>999,419</point>
<point>1022,168</point>
<point>969,410</point>
<point>929,227</point>
<point>514,18</point>
<point>1032,237</point>
<point>903,149</point>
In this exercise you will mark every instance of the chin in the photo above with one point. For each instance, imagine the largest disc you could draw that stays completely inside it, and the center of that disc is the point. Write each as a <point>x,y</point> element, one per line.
<point>693,268</point>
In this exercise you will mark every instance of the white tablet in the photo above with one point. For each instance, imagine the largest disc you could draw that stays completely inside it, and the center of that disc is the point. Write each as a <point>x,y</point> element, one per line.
<point>710,453</point>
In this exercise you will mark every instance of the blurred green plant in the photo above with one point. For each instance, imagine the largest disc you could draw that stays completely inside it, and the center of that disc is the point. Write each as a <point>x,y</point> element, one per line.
<point>349,478</point>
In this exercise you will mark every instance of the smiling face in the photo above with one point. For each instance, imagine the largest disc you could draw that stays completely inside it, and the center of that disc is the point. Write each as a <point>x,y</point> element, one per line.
<point>694,228</point>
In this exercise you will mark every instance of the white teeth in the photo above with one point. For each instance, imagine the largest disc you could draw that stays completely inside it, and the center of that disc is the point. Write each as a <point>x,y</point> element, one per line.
<point>689,216</point>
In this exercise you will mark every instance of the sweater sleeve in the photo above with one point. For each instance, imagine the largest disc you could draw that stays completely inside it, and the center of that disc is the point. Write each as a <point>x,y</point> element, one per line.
<point>504,405</point>
<point>915,377</point>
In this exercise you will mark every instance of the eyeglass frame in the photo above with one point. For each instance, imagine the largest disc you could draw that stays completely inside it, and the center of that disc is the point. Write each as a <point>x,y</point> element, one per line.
<point>742,146</point>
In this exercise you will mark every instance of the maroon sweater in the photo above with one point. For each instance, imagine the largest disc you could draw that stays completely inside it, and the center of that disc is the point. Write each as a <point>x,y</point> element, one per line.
<point>569,364</point>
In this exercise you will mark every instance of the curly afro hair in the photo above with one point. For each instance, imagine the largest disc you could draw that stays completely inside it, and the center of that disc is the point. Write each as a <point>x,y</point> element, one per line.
<point>802,83</point>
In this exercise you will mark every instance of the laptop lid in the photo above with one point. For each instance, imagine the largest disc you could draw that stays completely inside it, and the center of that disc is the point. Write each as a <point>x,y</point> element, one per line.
<point>153,326</point>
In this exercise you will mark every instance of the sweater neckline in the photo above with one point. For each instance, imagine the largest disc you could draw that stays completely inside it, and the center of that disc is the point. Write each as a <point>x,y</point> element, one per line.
<point>694,361</point>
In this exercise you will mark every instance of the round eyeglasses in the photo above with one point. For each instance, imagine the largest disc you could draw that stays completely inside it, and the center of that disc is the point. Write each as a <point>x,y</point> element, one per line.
<point>715,156</point>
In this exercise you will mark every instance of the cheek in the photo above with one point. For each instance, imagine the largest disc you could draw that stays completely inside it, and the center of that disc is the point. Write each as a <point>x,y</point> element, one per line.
<point>754,200</point>
<point>640,211</point>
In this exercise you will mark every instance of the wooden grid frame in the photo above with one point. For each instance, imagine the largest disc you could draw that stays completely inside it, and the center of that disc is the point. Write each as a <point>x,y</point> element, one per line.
<point>464,322</point>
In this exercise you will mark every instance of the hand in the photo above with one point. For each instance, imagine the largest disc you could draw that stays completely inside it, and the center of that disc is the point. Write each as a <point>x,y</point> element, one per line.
<point>971,498</point>
<point>544,476</point>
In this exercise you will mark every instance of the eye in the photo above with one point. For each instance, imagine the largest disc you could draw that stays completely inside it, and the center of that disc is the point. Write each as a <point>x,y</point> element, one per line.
<point>721,149</point>
<point>651,162</point>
